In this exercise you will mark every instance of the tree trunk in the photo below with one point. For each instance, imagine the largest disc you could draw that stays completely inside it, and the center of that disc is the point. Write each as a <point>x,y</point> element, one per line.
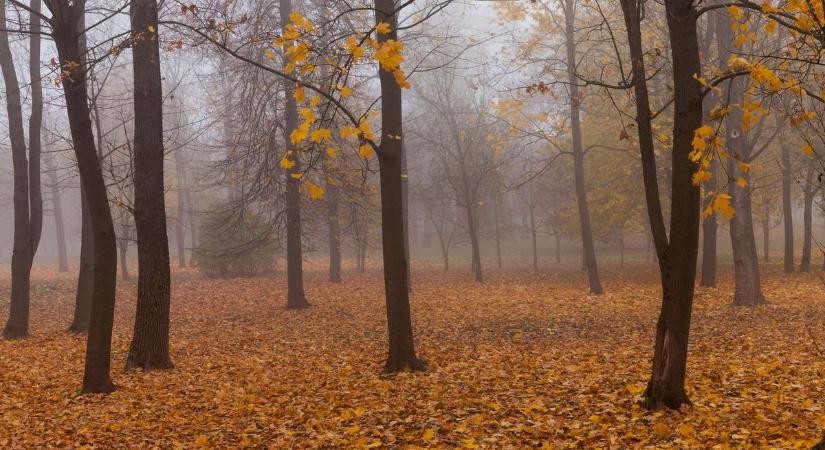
<point>123,246</point>
<point>787,209</point>
<point>578,151</point>
<point>399,321</point>
<point>296,298</point>
<point>86,274</point>
<point>57,208</point>
<point>472,229</point>
<point>766,233</point>
<point>180,231</point>
<point>677,258</point>
<point>334,228</point>
<point>535,241</point>
<point>405,206</point>
<point>17,326</point>
<point>150,343</point>
<point>35,128</point>
<point>66,34</point>
<point>497,213</point>
<point>558,248</point>
<point>748,290</point>
<point>808,200</point>
<point>709,235</point>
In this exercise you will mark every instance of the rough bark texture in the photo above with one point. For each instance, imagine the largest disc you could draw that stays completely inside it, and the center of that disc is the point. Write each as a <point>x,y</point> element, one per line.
<point>35,127</point>
<point>677,258</point>
<point>296,298</point>
<point>17,326</point>
<point>149,349</point>
<point>399,321</point>
<point>578,151</point>
<point>787,210</point>
<point>96,378</point>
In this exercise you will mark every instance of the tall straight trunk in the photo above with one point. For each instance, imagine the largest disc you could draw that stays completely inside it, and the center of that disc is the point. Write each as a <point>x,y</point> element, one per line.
<point>57,208</point>
<point>149,349</point>
<point>17,326</point>
<point>535,241</point>
<point>86,273</point>
<point>399,321</point>
<point>180,220</point>
<point>787,210</point>
<point>497,212</point>
<point>193,225</point>
<point>748,288</point>
<point>405,206</point>
<point>808,193</point>
<point>296,298</point>
<point>475,248</point>
<point>766,233</point>
<point>589,250</point>
<point>66,34</point>
<point>334,238</point>
<point>123,247</point>
<point>709,235</point>
<point>677,256</point>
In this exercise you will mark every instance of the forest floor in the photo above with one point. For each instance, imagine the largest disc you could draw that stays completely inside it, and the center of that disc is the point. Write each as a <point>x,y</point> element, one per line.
<point>524,360</point>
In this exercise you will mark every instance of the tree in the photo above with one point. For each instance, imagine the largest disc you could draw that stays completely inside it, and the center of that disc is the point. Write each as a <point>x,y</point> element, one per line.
<point>28,203</point>
<point>150,344</point>
<point>66,32</point>
<point>677,254</point>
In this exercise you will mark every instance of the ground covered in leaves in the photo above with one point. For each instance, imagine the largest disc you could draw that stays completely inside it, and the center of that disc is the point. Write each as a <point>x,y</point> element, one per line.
<point>523,360</point>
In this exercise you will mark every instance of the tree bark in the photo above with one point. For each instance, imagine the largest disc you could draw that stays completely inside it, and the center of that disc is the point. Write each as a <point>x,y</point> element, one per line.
<point>808,193</point>
<point>399,321</point>
<point>787,210</point>
<point>149,349</point>
<point>86,273</point>
<point>578,152</point>
<point>535,241</point>
<point>66,34</point>
<point>677,258</point>
<point>709,235</point>
<point>497,212</point>
<point>123,247</point>
<point>766,233</point>
<point>748,288</point>
<point>180,220</point>
<point>334,228</point>
<point>472,230</point>
<point>17,326</point>
<point>35,128</point>
<point>296,298</point>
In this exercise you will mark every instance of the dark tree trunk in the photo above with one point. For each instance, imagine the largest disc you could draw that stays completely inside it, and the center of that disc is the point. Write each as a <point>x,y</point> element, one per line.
<point>150,343</point>
<point>66,34</point>
<point>193,225</point>
<point>35,127</point>
<point>399,321</point>
<point>405,198</point>
<point>578,152</point>
<point>808,193</point>
<point>677,258</point>
<point>787,210</point>
<point>86,274</point>
<point>57,208</point>
<point>748,290</point>
<point>17,326</point>
<point>497,212</point>
<point>296,298</point>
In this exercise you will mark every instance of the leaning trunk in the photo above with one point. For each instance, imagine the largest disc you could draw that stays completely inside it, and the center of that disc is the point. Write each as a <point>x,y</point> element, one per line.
<point>66,33</point>
<point>578,152</point>
<point>150,343</point>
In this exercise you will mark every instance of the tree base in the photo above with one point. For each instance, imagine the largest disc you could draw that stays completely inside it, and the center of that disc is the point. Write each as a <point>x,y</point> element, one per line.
<point>819,446</point>
<point>98,387</point>
<point>75,328</point>
<point>656,401</point>
<point>14,333</point>
<point>298,304</point>
<point>150,362</point>
<point>761,300</point>
<point>396,365</point>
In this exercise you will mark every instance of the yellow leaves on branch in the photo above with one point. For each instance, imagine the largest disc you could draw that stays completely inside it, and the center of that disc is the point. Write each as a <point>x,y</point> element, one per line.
<point>721,205</point>
<point>383,28</point>
<point>315,192</point>
<point>323,134</point>
<point>365,151</point>
<point>807,149</point>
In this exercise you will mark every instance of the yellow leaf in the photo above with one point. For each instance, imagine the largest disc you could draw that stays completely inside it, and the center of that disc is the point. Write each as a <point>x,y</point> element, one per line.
<point>428,435</point>
<point>470,443</point>
<point>299,94</point>
<point>661,430</point>
<point>322,134</point>
<point>151,29</point>
<point>202,441</point>
<point>722,205</point>
<point>365,151</point>
<point>807,149</point>
<point>297,175</point>
<point>634,388</point>
<point>346,91</point>
<point>348,132</point>
<point>286,163</point>
<point>315,192</point>
<point>383,28</point>
<point>331,152</point>
<point>741,182</point>
<point>359,411</point>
